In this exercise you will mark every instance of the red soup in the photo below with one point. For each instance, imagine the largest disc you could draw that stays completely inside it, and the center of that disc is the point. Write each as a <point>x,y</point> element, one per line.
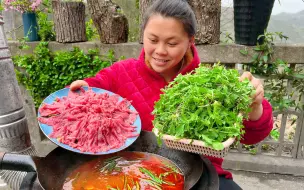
<point>126,171</point>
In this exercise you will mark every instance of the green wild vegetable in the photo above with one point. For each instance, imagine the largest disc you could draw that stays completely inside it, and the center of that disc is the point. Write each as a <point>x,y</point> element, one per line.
<point>155,181</point>
<point>208,104</point>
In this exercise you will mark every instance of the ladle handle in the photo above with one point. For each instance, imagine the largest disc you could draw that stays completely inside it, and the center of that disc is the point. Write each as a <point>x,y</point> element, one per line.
<point>17,162</point>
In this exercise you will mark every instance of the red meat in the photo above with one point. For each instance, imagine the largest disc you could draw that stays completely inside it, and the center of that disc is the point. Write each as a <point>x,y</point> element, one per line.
<point>90,122</point>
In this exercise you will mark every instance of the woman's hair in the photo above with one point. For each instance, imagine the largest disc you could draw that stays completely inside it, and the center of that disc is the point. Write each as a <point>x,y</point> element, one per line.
<point>178,9</point>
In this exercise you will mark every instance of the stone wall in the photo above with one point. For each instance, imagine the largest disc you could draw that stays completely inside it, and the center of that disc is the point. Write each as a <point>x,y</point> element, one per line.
<point>12,25</point>
<point>208,53</point>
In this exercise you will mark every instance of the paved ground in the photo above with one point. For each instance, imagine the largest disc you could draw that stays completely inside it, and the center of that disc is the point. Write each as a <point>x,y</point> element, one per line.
<point>260,181</point>
<point>3,185</point>
<point>254,181</point>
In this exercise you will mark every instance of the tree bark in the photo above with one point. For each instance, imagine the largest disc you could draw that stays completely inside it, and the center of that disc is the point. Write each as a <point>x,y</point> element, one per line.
<point>143,6</point>
<point>69,21</point>
<point>207,13</point>
<point>111,24</point>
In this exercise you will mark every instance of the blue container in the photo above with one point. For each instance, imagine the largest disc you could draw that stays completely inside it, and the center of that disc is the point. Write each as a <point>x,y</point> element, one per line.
<point>30,26</point>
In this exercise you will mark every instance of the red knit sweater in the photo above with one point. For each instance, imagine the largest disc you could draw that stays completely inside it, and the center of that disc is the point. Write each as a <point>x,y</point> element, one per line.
<point>133,80</point>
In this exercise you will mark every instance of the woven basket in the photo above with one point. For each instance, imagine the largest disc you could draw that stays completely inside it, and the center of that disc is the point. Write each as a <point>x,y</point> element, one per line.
<point>195,146</point>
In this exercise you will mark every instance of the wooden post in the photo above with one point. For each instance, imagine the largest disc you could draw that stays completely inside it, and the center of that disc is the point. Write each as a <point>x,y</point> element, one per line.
<point>300,145</point>
<point>143,6</point>
<point>69,21</point>
<point>207,13</point>
<point>111,24</point>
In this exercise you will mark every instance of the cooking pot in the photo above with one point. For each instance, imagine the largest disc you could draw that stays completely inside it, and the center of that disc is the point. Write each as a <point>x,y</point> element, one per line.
<point>50,172</point>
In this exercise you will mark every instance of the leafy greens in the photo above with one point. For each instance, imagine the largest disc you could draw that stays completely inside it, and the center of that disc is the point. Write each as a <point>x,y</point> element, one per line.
<point>208,104</point>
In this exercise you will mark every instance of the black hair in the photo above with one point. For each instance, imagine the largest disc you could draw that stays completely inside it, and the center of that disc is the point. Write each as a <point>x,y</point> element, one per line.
<point>178,9</point>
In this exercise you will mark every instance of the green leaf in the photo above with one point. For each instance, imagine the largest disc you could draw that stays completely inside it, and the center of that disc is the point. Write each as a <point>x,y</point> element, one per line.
<point>258,48</point>
<point>151,175</point>
<point>260,36</point>
<point>254,58</point>
<point>265,58</point>
<point>218,146</point>
<point>244,52</point>
<point>298,76</point>
<point>280,62</point>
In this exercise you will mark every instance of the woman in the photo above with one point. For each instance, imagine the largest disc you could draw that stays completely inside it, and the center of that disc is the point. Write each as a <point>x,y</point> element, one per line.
<point>169,27</point>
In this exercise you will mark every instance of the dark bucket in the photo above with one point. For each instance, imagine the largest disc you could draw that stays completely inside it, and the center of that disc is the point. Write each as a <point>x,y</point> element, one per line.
<point>251,18</point>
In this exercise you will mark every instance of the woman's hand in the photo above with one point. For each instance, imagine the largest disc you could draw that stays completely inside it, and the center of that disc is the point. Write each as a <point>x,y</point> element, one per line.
<point>257,99</point>
<point>77,84</point>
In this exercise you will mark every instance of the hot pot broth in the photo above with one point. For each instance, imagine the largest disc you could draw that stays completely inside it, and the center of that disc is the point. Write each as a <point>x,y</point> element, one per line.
<point>124,171</point>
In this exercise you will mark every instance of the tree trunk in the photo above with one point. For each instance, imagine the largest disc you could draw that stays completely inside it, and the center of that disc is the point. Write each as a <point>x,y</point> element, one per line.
<point>207,13</point>
<point>111,24</point>
<point>143,6</point>
<point>69,21</point>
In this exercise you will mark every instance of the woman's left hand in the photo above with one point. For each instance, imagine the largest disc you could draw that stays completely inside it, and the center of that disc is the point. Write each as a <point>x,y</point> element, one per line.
<point>257,98</point>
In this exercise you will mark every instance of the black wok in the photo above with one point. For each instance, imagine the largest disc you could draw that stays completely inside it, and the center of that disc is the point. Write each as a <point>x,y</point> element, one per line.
<point>53,169</point>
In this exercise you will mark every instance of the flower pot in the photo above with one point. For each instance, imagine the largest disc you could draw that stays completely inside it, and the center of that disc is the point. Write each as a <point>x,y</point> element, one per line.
<point>30,26</point>
<point>251,18</point>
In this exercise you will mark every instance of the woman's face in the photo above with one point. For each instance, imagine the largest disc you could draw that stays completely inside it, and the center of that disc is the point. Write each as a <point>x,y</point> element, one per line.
<point>165,43</point>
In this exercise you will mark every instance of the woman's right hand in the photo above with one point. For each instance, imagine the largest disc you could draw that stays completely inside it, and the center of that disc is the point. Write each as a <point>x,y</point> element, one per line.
<point>77,84</point>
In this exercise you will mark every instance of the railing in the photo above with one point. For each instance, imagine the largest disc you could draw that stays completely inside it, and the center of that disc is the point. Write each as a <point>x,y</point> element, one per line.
<point>292,146</point>
<point>290,142</point>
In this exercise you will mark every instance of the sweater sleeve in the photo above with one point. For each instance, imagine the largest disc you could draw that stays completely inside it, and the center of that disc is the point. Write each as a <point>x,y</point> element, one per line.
<point>105,79</point>
<point>256,131</point>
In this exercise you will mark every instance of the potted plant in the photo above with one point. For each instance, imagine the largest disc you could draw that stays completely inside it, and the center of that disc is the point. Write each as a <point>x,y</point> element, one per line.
<point>28,9</point>
<point>251,19</point>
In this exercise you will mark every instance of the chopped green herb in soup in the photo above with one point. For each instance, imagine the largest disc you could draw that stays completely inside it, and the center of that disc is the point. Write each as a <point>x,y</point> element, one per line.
<point>126,171</point>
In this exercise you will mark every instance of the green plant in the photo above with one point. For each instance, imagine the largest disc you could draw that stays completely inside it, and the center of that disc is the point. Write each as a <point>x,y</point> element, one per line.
<point>134,30</point>
<point>227,38</point>
<point>262,62</point>
<point>46,31</point>
<point>253,151</point>
<point>297,82</point>
<point>276,72</point>
<point>46,27</point>
<point>1,7</point>
<point>275,134</point>
<point>208,104</point>
<point>23,45</point>
<point>91,31</point>
<point>44,72</point>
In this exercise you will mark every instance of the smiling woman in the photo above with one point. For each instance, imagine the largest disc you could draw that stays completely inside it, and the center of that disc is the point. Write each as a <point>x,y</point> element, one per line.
<point>166,47</point>
<point>169,27</point>
<point>167,37</point>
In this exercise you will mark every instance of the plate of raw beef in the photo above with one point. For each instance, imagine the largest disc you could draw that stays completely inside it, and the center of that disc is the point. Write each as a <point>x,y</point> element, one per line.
<point>89,121</point>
